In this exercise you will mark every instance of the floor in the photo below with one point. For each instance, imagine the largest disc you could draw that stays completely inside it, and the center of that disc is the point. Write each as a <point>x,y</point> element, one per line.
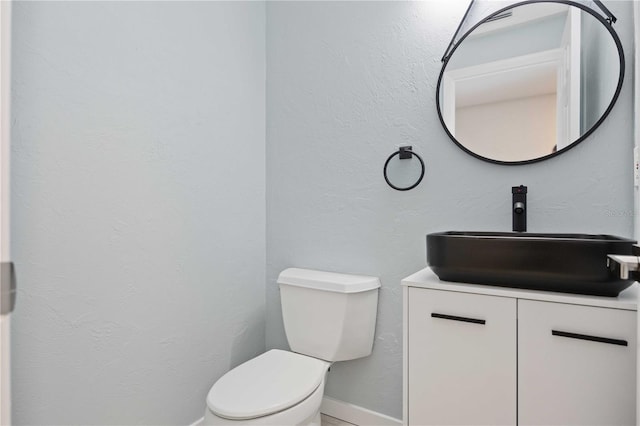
<point>332,421</point>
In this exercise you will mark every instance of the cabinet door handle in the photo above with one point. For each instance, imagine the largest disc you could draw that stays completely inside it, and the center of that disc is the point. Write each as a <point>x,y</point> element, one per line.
<point>590,338</point>
<point>455,318</point>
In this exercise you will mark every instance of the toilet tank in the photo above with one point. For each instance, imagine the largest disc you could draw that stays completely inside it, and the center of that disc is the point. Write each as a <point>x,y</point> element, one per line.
<point>328,315</point>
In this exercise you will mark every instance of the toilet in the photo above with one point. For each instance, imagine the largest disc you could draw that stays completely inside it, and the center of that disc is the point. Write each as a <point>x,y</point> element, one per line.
<point>328,317</point>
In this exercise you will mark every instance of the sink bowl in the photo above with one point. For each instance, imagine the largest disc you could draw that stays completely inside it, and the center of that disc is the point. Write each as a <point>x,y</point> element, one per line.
<point>568,263</point>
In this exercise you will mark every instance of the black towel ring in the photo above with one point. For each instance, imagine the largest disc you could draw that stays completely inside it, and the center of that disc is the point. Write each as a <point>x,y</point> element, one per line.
<point>404,153</point>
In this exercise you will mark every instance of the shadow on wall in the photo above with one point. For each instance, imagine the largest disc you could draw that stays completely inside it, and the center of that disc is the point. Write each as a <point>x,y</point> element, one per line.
<point>244,341</point>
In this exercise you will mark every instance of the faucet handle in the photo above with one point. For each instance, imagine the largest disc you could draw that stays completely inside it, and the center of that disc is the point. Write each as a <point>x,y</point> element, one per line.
<point>519,189</point>
<point>519,208</point>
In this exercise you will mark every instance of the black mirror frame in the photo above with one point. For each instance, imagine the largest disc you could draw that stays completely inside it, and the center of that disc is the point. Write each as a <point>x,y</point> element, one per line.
<point>450,53</point>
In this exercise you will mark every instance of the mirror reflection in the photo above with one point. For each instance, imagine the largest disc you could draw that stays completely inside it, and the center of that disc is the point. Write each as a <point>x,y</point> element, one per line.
<point>529,82</point>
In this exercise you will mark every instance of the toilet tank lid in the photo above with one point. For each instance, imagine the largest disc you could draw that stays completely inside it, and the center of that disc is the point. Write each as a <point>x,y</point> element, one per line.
<point>328,281</point>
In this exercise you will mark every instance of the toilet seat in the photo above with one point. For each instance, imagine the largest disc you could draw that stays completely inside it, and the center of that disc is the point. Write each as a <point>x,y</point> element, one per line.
<point>267,384</point>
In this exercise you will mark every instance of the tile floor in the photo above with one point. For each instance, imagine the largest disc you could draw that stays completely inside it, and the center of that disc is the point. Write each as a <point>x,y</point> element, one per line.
<point>332,421</point>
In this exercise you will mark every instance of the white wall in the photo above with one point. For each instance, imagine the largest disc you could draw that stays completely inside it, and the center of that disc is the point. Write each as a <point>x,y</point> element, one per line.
<point>509,42</point>
<point>504,130</point>
<point>636,134</point>
<point>138,206</point>
<point>600,66</point>
<point>636,122</point>
<point>347,82</point>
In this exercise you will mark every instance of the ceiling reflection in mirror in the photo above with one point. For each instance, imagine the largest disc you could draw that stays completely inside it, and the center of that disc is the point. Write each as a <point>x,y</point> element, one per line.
<point>530,82</point>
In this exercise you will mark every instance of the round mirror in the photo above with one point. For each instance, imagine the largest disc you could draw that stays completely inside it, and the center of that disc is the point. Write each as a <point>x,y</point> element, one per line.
<point>530,81</point>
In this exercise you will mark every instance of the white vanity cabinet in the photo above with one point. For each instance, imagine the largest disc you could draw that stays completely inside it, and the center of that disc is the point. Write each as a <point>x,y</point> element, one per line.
<point>489,355</point>
<point>576,364</point>
<point>462,354</point>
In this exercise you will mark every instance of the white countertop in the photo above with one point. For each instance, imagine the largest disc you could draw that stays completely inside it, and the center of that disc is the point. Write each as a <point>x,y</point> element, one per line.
<point>426,278</point>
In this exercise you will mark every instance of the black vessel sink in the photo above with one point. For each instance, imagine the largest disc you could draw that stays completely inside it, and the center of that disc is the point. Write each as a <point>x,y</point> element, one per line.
<point>569,263</point>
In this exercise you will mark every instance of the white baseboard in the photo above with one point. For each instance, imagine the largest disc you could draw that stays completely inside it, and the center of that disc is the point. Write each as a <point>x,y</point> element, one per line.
<point>354,414</point>
<point>347,412</point>
<point>198,422</point>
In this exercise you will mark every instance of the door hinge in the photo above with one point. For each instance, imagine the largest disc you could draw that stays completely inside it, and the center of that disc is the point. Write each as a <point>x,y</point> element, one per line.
<point>7,287</point>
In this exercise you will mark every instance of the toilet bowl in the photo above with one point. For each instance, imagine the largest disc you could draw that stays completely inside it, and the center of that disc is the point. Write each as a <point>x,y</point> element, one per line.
<point>328,317</point>
<point>275,388</point>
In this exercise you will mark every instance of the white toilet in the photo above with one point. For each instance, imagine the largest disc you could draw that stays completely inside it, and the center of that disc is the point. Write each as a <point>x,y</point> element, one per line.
<point>327,317</point>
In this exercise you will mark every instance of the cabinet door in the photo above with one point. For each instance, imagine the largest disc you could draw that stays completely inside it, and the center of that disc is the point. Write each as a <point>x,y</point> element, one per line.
<point>461,358</point>
<point>576,365</point>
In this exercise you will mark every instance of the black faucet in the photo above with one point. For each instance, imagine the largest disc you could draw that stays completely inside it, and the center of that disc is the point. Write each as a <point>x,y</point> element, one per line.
<point>519,208</point>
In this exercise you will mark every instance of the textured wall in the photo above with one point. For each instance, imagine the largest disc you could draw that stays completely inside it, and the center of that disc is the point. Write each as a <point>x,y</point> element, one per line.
<point>537,36</point>
<point>600,62</point>
<point>138,206</point>
<point>347,81</point>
